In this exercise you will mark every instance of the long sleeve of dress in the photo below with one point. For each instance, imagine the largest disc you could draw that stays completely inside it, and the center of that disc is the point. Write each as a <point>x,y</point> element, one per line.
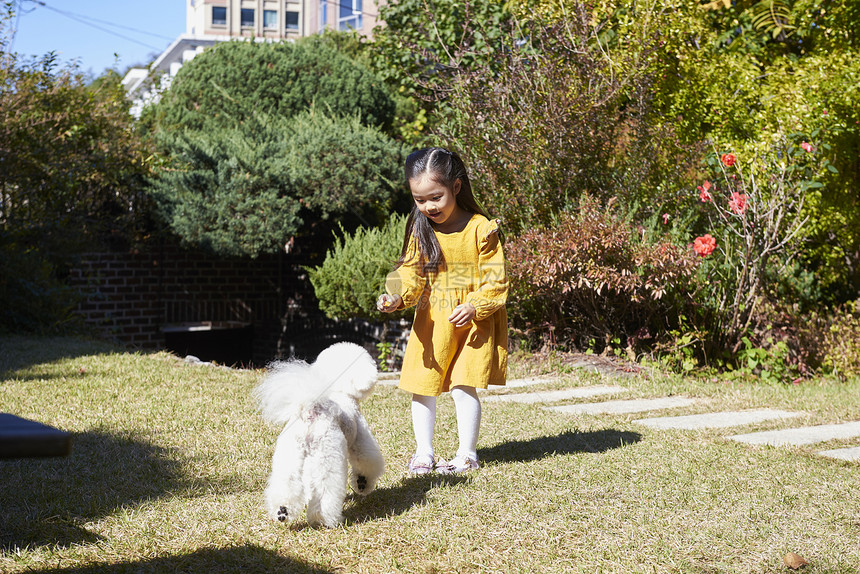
<point>408,280</point>
<point>491,290</point>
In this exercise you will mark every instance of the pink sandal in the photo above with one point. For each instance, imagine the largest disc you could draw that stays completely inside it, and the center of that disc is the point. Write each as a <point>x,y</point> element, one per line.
<point>423,464</point>
<point>457,465</point>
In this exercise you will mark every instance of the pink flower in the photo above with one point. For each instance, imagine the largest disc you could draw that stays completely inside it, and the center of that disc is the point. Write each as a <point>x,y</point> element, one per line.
<point>728,159</point>
<point>704,194</point>
<point>704,245</point>
<point>665,218</point>
<point>738,203</point>
<point>807,147</point>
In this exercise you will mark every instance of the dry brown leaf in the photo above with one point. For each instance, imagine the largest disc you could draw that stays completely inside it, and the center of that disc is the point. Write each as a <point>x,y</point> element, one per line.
<point>794,561</point>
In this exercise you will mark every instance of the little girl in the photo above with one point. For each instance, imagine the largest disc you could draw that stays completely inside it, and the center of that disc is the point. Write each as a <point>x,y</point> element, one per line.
<point>452,267</point>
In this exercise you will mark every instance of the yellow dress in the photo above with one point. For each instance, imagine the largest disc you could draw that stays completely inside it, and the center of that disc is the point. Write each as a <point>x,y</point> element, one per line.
<point>438,354</point>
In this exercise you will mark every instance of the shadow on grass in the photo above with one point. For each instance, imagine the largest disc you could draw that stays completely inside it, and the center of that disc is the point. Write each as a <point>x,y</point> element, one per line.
<point>385,502</point>
<point>21,352</point>
<point>569,442</point>
<point>43,500</point>
<point>245,559</point>
<point>413,490</point>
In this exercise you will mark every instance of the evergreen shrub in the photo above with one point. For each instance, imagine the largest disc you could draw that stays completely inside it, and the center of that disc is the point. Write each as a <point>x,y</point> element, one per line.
<point>340,165</point>
<point>353,273</point>
<point>244,191</point>
<point>228,192</point>
<point>232,81</point>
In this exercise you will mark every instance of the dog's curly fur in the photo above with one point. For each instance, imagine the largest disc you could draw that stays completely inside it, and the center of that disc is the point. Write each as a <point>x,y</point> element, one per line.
<point>324,433</point>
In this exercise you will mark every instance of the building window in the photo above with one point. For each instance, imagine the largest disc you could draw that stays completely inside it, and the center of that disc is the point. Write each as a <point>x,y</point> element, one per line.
<point>292,20</point>
<point>270,19</point>
<point>349,15</point>
<point>219,15</point>
<point>247,17</point>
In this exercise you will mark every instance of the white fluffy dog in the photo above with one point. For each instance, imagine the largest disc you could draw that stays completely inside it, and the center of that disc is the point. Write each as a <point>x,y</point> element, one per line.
<point>324,430</point>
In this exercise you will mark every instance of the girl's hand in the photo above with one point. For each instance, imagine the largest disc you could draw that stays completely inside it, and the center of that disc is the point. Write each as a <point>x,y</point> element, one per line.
<point>388,303</point>
<point>463,314</point>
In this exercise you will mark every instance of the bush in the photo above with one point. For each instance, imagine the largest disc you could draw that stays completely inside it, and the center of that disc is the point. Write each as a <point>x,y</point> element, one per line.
<point>244,191</point>
<point>72,171</point>
<point>71,165</point>
<point>232,81</point>
<point>757,208</point>
<point>788,342</point>
<point>34,299</point>
<point>594,279</point>
<point>353,273</point>
<point>842,342</point>
<point>552,115</point>
<point>340,165</point>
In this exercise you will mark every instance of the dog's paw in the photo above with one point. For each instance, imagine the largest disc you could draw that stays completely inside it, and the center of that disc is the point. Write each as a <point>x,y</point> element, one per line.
<point>283,514</point>
<point>361,482</point>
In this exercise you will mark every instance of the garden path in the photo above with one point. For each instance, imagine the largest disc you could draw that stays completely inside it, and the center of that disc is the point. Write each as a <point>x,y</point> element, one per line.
<point>717,419</point>
<point>558,401</point>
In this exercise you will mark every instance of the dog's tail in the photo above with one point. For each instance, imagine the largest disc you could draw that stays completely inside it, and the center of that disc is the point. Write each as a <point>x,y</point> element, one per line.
<point>287,389</point>
<point>291,387</point>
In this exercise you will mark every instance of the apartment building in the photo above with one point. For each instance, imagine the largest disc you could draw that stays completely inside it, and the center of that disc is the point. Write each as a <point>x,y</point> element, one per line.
<point>277,19</point>
<point>208,22</point>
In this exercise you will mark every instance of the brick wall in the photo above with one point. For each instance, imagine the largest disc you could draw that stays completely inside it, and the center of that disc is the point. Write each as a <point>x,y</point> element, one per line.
<point>132,296</point>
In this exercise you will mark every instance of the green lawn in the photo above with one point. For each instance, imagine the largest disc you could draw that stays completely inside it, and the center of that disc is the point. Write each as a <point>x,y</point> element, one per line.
<point>169,463</point>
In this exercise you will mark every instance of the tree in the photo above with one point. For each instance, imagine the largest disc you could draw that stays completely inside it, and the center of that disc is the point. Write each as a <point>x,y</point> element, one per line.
<point>414,47</point>
<point>71,177</point>
<point>245,191</point>
<point>746,74</point>
<point>261,139</point>
<point>72,164</point>
<point>410,53</point>
<point>234,80</point>
<point>552,113</point>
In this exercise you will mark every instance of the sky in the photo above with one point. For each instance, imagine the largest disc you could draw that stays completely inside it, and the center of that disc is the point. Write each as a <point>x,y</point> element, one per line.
<point>92,31</point>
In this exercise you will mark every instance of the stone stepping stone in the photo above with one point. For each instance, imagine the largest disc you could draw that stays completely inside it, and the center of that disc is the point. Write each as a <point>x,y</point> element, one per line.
<point>526,382</point>
<point>391,378</point>
<point>715,420</point>
<point>624,406</point>
<point>801,435</point>
<point>850,453</point>
<point>553,396</point>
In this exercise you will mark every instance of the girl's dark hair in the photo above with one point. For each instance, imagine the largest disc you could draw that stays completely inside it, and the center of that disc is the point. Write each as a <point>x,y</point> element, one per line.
<point>444,167</point>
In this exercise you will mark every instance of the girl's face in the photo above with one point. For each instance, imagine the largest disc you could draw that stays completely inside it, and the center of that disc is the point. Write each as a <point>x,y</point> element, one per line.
<point>436,201</point>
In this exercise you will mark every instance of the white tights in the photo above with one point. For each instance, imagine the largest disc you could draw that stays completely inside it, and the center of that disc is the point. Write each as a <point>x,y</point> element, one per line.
<point>468,409</point>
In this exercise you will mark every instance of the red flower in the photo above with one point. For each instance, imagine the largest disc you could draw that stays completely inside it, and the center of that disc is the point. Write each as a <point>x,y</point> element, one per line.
<point>807,147</point>
<point>738,203</point>
<point>665,218</point>
<point>728,159</point>
<point>704,194</point>
<point>704,245</point>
